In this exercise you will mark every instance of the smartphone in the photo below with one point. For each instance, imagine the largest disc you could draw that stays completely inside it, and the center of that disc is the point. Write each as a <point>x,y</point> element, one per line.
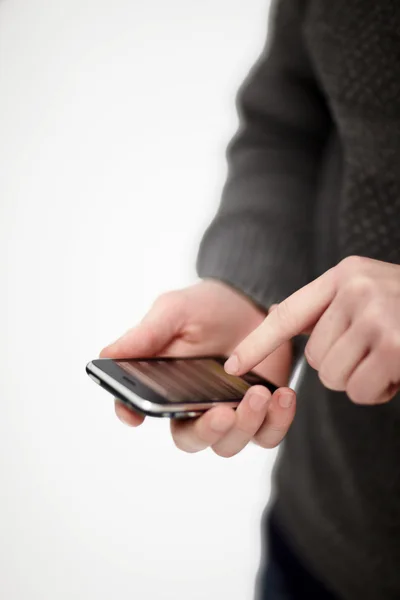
<point>172,387</point>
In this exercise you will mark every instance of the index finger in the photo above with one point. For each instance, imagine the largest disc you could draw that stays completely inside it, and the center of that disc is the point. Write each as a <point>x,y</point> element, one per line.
<point>291,317</point>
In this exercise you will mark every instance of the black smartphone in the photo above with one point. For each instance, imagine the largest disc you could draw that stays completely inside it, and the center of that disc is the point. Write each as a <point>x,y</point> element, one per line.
<point>172,387</point>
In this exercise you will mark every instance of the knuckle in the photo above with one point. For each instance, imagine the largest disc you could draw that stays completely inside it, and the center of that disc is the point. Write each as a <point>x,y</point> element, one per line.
<point>359,286</point>
<point>285,316</point>
<point>390,344</point>
<point>396,342</point>
<point>355,394</point>
<point>244,427</point>
<point>331,383</point>
<point>357,399</point>
<point>373,320</point>
<point>373,314</point>
<point>311,354</point>
<point>167,298</point>
<point>270,439</point>
<point>352,264</point>
<point>268,444</point>
<point>152,334</point>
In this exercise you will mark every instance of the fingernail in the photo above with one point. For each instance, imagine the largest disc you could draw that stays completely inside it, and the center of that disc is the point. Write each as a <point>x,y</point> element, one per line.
<point>232,365</point>
<point>257,401</point>
<point>285,400</point>
<point>219,425</point>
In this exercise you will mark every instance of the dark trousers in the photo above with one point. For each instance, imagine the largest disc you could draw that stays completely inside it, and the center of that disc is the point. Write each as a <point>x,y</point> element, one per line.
<point>284,576</point>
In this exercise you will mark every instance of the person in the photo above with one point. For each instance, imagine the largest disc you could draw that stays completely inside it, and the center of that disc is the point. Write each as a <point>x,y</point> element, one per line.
<point>306,242</point>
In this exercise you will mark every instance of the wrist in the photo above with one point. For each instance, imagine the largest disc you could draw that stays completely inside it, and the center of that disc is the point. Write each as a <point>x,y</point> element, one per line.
<point>240,295</point>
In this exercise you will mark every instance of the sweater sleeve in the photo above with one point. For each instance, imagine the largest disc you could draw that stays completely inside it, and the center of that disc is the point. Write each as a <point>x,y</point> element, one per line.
<point>261,239</point>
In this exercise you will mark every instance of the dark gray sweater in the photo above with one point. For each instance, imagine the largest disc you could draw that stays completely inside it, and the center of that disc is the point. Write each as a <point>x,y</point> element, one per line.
<point>314,175</point>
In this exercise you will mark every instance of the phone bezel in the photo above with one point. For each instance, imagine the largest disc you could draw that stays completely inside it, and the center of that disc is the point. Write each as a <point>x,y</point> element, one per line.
<point>136,395</point>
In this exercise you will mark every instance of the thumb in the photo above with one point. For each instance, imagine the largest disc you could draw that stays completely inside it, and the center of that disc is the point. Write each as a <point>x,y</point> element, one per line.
<point>156,331</point>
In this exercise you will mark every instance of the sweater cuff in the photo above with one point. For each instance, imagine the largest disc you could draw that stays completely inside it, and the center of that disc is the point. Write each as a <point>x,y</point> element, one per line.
<point>264,263</point>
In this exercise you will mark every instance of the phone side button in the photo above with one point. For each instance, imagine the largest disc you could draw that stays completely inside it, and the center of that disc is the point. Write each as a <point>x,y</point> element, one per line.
<point>185,415</point>
<point>95,379</point>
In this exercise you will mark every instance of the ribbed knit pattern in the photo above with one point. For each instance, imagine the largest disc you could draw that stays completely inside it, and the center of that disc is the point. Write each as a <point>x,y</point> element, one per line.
<point>314,175</point>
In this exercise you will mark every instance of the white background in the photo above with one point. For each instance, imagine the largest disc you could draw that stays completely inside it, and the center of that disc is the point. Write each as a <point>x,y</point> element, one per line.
<point>114,117</point>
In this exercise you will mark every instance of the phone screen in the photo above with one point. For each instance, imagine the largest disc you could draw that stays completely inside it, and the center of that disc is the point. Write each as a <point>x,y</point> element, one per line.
<point>190,380</point>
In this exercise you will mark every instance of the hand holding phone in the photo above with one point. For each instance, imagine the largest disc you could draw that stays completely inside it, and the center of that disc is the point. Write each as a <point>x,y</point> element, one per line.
<point>209,319</point>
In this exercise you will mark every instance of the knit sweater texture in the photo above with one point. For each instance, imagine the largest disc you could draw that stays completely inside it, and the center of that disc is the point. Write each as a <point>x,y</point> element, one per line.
<point>314,176</point>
